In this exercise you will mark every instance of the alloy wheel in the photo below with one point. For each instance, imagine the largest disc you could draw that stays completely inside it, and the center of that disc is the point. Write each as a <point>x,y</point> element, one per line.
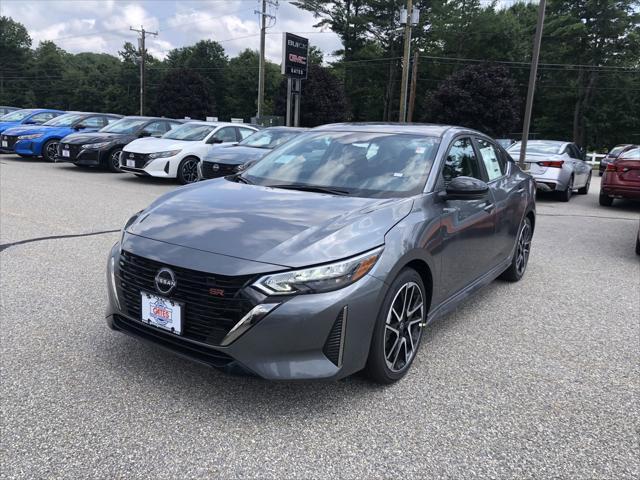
<point>190,171</point>
<point>403,328</point>
<point>523,248</point>
<point>115,160</point>
<point>52,151</point>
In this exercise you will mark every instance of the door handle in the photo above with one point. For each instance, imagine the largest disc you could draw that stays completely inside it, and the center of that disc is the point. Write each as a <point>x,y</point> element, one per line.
<point>489,207</point>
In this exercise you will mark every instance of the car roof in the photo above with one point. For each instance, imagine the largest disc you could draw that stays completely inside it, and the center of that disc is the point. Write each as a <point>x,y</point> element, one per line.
<point>138,117</point>
<point>218,124</point>
<point>428,129</point>
<point>286,129</point>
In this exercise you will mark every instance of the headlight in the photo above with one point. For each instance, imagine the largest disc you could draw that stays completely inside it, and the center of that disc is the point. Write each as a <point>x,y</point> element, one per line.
<point>319,279</point>
<point>30,137</point>
<point>170,153</point>
<point>96,145</point>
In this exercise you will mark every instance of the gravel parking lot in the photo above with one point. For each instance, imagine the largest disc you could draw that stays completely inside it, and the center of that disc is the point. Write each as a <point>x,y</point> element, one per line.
<point>535,379</point>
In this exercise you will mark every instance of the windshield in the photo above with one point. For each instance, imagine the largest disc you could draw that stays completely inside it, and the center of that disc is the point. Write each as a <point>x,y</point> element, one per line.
<point>358,163</point>
<point>190,132</point>
<point>269,139</point>
<point>16,116</point>
<point>126,125</point>
<point>65,120</point>
<point>538,146</point>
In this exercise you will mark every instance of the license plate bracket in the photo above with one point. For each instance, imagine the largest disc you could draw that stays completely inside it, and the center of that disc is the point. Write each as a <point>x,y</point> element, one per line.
<point>161,312</point>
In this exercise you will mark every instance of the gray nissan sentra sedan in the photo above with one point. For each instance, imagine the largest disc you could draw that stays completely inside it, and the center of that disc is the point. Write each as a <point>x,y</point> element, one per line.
<point>327,257</point>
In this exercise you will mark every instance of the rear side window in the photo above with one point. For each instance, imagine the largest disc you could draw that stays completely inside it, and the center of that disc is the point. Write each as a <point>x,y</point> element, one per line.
<point>493,161</point>
<point>461,161</point>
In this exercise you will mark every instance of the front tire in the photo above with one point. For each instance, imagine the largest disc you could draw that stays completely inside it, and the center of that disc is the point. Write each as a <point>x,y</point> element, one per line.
<point>521,254</point>
<point>398,329</point>
<point>188,171</point>
<point>584,190</point>
<point>113,160</point>
<point>50,150</point>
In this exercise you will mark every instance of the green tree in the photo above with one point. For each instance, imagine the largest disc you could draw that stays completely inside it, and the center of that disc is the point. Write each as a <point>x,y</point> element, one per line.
<point>323,98</point>
<point>15,56</point>
<point>482,96</point>
<point>209,60</point>
<point>183,92</point>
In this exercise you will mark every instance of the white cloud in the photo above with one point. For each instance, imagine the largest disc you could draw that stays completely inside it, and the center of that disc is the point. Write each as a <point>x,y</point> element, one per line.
<point>103,26</point>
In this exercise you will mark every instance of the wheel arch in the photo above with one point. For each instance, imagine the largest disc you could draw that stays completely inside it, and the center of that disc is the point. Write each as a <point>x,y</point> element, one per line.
<point>423,269</point>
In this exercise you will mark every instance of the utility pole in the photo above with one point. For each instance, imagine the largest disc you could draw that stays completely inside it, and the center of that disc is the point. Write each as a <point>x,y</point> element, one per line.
<point>261,70</point>
<point>533,73</point>
<point>409,18</point>
<point>143,51</point>
<point>414,81</point>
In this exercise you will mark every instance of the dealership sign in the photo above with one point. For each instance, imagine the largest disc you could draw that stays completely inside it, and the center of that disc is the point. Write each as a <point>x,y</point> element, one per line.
<point>295,53</point>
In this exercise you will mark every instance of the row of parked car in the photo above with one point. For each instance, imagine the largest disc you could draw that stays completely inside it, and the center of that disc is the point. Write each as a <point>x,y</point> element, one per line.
<point>192,150</point>
<point>145,146</point>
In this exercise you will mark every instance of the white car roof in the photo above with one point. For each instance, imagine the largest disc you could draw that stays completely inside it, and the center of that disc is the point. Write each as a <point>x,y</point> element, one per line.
<point>217,124</point>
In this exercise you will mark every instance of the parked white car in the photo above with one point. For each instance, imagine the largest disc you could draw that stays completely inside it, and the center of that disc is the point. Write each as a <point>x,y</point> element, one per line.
<point>178,153</point>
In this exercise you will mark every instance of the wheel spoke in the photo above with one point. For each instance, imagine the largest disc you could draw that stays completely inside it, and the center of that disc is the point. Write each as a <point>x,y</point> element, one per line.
<point>414,310</point>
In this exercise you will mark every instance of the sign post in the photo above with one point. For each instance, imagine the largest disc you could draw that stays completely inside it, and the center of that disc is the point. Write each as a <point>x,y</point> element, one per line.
<point>295,55</point>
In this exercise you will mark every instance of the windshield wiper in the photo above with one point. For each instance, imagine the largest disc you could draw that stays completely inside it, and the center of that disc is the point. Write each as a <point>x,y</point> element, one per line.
<point>240,179</point>
<point>311,188</point>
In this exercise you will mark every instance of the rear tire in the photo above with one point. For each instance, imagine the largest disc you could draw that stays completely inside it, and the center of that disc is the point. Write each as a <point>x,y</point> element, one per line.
<point>50,150</point>
<point>565,196</point>
<point>605,200</point>
<point>188,170</point>
<point>398,329</point>
<point>584,190</point>
<point>520,258</point>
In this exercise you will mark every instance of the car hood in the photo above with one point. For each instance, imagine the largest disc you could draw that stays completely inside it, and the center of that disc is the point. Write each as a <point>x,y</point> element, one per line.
<point>152,145</point>
<point>5,125</point>
<point>95,137</point>
<point>276,226</point>
<point>236,155</point>
<point>31,129</point>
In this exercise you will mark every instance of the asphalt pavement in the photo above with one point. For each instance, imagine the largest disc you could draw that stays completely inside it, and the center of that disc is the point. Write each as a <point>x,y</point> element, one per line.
<point>536,379</point>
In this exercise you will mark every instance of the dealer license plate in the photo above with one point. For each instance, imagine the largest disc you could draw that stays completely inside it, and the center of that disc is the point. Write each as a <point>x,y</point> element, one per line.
<point>65,153</point>
<point>162,313</point>
<point>131,163</point>
<point>5,143</point>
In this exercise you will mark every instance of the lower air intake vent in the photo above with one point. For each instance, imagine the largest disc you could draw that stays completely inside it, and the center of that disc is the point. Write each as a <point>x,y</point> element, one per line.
<point>334,345</point>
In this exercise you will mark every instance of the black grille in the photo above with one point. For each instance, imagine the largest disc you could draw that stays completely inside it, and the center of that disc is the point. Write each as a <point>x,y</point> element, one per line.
<point>10,139</point>
<point>204,354</point>
<point>223,169</point>
<point>140,158</point>
<point>207,316</point>
<point>332,347</point>
<point>72,149</point>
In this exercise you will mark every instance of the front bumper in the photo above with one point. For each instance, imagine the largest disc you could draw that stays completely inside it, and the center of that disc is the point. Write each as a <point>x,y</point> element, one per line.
<point>289,343</point>
<point>81,156</point>
<point>28,147</point>
<point>166,167</point>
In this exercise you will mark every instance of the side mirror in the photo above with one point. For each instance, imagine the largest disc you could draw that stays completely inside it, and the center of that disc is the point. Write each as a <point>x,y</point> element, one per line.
<point>79,126</point>
<point>214,140</point>
<point>31,122</point>
<point>466,188</point>
<point>144,134</point>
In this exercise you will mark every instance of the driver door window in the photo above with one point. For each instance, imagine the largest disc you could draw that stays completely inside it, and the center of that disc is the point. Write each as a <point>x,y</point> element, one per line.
<point>154,129</point>
<point>461,161</point>
<point>92,122</point>
<point>226,134</point>
<point>42,117</point>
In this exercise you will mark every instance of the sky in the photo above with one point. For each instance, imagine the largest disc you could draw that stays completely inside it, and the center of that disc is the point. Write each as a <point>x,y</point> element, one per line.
<point>103,25</point>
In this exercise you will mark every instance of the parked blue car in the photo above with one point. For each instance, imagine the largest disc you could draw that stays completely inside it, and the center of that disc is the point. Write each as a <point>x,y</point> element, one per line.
<point>42,141</point>
<point>27,116</point>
